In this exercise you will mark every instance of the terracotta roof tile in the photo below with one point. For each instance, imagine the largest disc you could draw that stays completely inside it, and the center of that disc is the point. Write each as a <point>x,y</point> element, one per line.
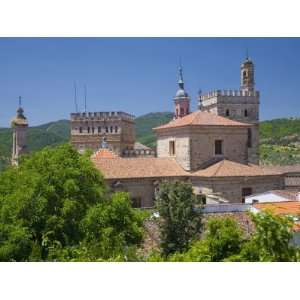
<point>227,168</point>
<point>201,118</point>
<point>291,208</point>
<point>104,153</point>
<point>149,167</point>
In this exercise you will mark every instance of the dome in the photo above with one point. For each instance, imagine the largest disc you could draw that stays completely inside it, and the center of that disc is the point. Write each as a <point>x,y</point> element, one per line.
<point>181,93</point>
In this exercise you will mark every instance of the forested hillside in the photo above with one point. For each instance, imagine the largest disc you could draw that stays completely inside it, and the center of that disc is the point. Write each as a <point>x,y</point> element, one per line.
<point>280,141</point>
<point>280,138</point>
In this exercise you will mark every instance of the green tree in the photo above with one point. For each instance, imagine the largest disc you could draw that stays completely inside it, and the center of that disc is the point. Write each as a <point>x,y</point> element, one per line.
<point>222,238</point>
<point>55,205</point>
<point>271,240</point>
<point>180,223</point>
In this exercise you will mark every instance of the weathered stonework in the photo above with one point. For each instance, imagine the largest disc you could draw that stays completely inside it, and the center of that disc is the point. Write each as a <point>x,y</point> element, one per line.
<point>88,129</point>
<point>195,146</point>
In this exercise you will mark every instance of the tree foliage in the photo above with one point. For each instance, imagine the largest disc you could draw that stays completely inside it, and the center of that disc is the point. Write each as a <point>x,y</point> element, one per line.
<point>271,240</point>
<point>180,222</point>
<point>223,240</point>
<point>55,205</point>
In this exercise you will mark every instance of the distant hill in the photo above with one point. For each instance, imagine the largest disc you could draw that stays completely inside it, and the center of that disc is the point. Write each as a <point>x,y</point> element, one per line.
<point>280,138</point>
<point>280,141</point>
<point>145,123</point>
<point>38,137</point>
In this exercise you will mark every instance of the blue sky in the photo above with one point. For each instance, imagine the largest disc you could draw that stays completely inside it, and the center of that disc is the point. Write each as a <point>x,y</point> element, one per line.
<point>138,75</point>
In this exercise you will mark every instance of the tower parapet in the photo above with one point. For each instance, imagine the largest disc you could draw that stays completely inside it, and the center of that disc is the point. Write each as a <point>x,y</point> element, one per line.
<point>241,105</point>
<point>109,115</point>
<point>88,129</point>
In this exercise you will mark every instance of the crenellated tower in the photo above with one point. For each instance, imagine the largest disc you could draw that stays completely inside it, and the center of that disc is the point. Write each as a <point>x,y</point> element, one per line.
<point>19,125</point>
<point>240,105</point>
<point>181,99</point>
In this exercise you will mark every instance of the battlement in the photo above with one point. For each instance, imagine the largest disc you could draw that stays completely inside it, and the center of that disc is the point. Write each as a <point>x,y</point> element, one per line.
<point>231,93</point>
<point>111,115</point>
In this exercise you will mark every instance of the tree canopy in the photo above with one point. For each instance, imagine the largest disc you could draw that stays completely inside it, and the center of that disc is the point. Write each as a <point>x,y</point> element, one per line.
<point>180,223</point>
<point>55,205</point>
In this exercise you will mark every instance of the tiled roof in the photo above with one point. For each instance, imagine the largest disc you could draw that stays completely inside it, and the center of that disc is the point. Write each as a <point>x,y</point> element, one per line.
<point>168,167</point>
<point>291,208</point>
<point>104,153</point>
<point>227,168</point>
<point>201,118</point>
<point>284,169</point>
<point>149,167</point>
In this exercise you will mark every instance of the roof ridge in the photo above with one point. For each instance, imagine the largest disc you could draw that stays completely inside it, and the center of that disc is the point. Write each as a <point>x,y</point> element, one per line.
<point>219,167</point>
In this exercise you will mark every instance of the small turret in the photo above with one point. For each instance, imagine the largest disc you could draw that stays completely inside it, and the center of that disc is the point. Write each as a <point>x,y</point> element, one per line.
<point>19,125</point>
<point>181,99</point>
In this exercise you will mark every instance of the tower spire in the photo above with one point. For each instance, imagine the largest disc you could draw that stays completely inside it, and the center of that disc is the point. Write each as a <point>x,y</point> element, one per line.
<point>181,99</point>
<point>180,78</point>
<point>20,101</point>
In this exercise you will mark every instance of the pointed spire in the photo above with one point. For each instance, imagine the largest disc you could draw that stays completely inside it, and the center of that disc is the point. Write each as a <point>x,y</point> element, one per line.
<point>20,111</point>
<point>180,78</point>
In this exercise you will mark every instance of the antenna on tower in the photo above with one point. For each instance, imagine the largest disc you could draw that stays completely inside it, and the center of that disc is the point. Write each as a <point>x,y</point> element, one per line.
<point>247,54</point>
<point>75,97</point>
<point>85,93</point>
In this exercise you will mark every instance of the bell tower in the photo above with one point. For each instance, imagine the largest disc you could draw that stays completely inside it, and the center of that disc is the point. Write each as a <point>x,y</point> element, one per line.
<point>181,99</point>
<point>19,125</point>
<point>247,75</point>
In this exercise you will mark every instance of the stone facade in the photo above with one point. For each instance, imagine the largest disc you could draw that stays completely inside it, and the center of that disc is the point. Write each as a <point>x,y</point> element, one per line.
<point>88,129</point>
<point>195,146</point>
<point>230,189</point>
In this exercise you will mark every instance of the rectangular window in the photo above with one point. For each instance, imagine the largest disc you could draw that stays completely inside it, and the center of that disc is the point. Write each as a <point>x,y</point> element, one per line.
<point>218,147</point>
<point>171,147</point>
<point>136,202</point>
<point>246,192</point>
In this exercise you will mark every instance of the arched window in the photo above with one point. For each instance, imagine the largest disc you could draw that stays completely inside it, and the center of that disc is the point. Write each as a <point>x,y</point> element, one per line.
<point>88,129</point>
<point>227,113</point>
<point>245,74</point>
<point>80,129</point>
<point>99,129</point>
<point>181,111</point>
<point>93,130</point>
<point>106,129</point>
<point>111,129</point>
<point>116,129</point>
<point>246,113</point>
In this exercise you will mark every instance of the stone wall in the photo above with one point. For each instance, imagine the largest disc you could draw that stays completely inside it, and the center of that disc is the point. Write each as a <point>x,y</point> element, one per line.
<point>241,106</point>
<point>195,146</point>
<point>88,130</point>
<point>182,147</point>
<point>230,188</point>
